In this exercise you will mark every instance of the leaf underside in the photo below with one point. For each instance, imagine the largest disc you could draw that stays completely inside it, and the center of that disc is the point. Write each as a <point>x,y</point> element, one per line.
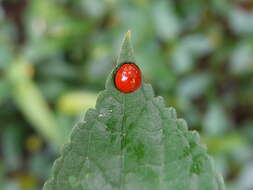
<point>133,142</point>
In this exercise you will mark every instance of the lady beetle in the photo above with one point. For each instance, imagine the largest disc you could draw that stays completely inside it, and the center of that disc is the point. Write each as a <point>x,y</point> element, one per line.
<point>128,77</point>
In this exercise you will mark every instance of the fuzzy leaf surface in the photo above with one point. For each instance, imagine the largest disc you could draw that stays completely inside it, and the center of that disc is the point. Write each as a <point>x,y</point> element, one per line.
<point>133,142</point>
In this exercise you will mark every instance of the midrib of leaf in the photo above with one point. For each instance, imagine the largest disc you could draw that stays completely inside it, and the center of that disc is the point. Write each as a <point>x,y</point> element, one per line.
<point>126,54</point>
<point>122,156</point>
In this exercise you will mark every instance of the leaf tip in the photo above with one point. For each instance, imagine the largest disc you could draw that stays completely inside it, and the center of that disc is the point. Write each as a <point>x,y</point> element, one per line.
<point>127,38</point>
<point>128,34</point>
<point>126,51</point>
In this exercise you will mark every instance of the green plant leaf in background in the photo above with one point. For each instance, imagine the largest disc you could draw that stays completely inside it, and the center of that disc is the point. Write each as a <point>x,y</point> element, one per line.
<point>73,103</point>
<point>133,142</point>
<point>31,102</point>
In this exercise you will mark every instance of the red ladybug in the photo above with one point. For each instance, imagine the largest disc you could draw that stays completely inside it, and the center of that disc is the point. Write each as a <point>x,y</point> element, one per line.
<point>128,77</point>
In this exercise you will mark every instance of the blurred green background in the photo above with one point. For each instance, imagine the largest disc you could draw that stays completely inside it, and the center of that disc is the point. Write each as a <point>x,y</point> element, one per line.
<point>56,54</point>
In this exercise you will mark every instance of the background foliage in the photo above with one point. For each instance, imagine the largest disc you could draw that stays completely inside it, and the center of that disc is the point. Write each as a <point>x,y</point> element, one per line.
<point>56,54</point>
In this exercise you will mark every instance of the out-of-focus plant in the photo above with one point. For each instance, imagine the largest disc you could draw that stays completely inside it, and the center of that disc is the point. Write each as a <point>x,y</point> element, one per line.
<point>197,54</point>
<point>30,101</point>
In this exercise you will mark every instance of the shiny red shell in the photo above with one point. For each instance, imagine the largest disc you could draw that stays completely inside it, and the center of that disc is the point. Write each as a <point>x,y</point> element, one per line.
<point>128,78</point>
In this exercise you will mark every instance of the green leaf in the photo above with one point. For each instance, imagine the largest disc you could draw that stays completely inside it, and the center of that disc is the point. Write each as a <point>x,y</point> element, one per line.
<point>31,102</point>
<point>133,142</point>
<point>167,24</point>
<point>73,103</point>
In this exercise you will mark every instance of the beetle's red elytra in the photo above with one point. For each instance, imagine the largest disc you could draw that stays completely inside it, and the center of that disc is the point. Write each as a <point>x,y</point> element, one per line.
<point>128,77</point>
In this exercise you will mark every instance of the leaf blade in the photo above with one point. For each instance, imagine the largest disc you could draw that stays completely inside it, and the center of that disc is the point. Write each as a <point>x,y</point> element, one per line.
<point>132,141</point>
